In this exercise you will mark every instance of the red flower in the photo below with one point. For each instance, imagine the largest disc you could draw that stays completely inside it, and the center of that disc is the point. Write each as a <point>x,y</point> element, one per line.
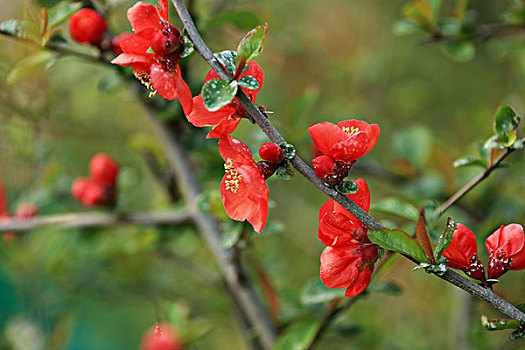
<point>337,226</point>
<point>158,70</point>
<point>4,203</point>
<point>103,169</point>
<point>506,247</point>
<point>347,141</point>
<point>348,266</point>
<point>115,42</point>
<point>226,119</point>
<point>87,26</point>
<point>88,192</point>
<point>271,152</point>
<point>26,210</point>
<point>462,253</point>
<point>161,338</point>
<point>243,189</point>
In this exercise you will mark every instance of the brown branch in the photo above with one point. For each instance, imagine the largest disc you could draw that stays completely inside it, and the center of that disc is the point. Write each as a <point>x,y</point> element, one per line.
<point>475,181</point>
<point>261,120</point>
<point>95,219</point>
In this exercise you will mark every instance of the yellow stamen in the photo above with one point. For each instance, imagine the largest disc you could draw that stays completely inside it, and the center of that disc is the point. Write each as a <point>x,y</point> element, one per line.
<point>350,130</point>
<point>233,177</point>
<point>144,77</point>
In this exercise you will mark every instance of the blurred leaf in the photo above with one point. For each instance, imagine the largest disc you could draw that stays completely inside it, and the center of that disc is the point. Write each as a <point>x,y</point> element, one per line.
<point>298,336</point>
<point>188,47</point>
<point>346,330</point>
<point>248,82</point>
<point>517,334</point>
<point>315,292</point>
<point>252,43</point>
<point>109,83</point>
<point>422,236</point>
<point>288,150</point>
<point>385,288</point>
<point>520,306</point>
<point>231,236</point>
<point>491,143</point>
<point>444,239</point>
<point>217,93</point>
<point>285,171</point>
<point>48,3</point>
<point>505,119</point>
<point>421,12</point>
<point>460,51</point>
<point>29,65</point>
<point>470,161</point>
<point>242,19</point>
<point>499,324</point>
<point>12,27</point>
<point>405,27</point>
<point>399,241</point>
<point>414,144</point>
<point>61,12</point>
<point>210,202</point>
<point>394,206</point>
<point>347,187</point>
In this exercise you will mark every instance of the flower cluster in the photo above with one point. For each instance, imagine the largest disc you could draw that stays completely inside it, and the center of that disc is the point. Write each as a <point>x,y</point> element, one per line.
<point>349,258</point>
<point>100,188</point>
<point>154,52</point>
<point>506,248</point>
<point>23,210</point>
<point>161,337</point>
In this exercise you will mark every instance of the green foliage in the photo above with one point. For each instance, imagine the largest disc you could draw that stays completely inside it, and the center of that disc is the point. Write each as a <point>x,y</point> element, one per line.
<point>396,207</point>
<point>298,336</point>
<point>347,187</point>
<point>444,239</point>
<point>285,171</point>
<point>505,122</point>
<point>252,43</point>
<point>29,65</point>
<point>414,144</point>
<point>12,27</point>
<point>61,12</point>
<point>248,82</point>
<point>315,292</point>
<point>227,58</point>
<point>470,161</point>
<point>397,240</point>
<point>288,150</point>
<point>217,93</point>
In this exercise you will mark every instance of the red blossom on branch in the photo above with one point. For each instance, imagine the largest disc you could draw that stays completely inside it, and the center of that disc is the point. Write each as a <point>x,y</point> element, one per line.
<point>462,253</point>
<point>161,337</point>
<point>4,203</point>
<point>244,191</point>
<point>506,247</point>
<point>157,70</point>
<point>87,26</point>
<point>226,119</point>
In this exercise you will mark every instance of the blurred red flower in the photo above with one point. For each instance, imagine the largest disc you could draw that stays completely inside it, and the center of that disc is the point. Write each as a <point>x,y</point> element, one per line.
<point>244,191</point>
<point>87,26</point>
<point>161,337</point>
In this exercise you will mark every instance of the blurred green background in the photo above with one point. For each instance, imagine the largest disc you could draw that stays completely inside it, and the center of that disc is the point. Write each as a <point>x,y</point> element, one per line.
<point>323,60</point>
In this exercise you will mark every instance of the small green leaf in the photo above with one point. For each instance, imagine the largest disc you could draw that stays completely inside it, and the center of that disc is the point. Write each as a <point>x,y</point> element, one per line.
<point>394,206</point>
<point>505,119</point>
<point>249,82</point>
<point>399,241</point>
<point>347,187</point>
<point>230,237</point>
<point>421,12</point>
<point>298,336</point>
<point>493,142</point>
<point>288,150</point>
<point>217,93</point>
<point>211,203</point>
<point>252,43</point>
<point>12,27</point>
<point>315,292</point>
<point>385,288</point>
<point>470,161</point>
<point>460,51</point>
<point>227,58</point>
<point>444,239</point>
<point>61,12</point>
<point>188,47</point>
<point>29,65</point>
<point>499,324</point>
<point>285,171</point>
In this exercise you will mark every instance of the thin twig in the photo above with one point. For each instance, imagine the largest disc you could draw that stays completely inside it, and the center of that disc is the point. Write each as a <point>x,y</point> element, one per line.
<point>482,34</point>
<point>261,120</point>
<point>83,220</point>
<point>475,181</point>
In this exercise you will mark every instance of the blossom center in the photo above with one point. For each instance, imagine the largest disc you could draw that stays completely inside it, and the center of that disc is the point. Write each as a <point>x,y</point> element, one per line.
<point>233,178</point>
<point>350,130</point>
<point>145,78</point>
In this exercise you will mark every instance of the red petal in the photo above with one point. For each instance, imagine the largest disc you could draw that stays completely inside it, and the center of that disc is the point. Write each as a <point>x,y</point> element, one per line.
<point>362,196</point>
<point>373,135</point>
<point>227,126</point>
<point>172,86</point>
<point>361,281</point>
<point>518,260</point>
<point>508,238</point>
<point>136,43</point>
<point>325,135</point>
<point>163,9</point>
<point>351,148</point>
<point>238,152</point>
<point>211,75</point>
<point>336,229</point>
<point>143,16</point>
<point>462,247</point>
<point>138,62</point>
<point>339,266</point>
<point>200,116</point>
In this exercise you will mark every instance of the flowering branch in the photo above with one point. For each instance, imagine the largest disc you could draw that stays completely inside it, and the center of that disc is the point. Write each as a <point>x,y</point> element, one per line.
<point>262,121</point>
<point>475,181</point>
<point>81,220</point>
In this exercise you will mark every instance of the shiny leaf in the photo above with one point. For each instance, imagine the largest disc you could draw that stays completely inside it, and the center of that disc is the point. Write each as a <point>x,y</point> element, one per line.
<point>218,93</point>
<point>399,241</point>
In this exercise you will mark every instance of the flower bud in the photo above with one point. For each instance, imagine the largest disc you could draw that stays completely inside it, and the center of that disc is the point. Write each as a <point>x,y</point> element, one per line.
<point>79,187</point>
<point>167,40</point>
<point>161,338</point>
<point>87,26</point>
<point>26,210</point>
<point>325,169</point>
<point>88,192</point>
<point>271,152</point>
<point>104,169</point>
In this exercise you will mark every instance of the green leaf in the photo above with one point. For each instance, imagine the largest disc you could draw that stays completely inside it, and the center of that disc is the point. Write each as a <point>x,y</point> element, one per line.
<point>230,237</point>
<point>499,324</point>
<point>347,187</point>
<point>298,336</point>
<point>385,288</point>
<point>29,65</point>
<point>227,58</point>
<point>414,144</point>
<point>61,12</point>
<point>249,82</point>
<point>444,239</point>
<point>218,93</point>
<point>505,119</point>
<point>396,207</point>
<point>460,51</point>
<point>12,27</point>
<point>188,47</point>
<point>470,161</point>
<point>421,12</point>
<point>242,19</point>
<point>288,150</point>
<point>520,306</point>
<point>399,241</point>
<point>285,171</point>
<point>315,292</point>
<point>211,203</point>
<point>252,43</point>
